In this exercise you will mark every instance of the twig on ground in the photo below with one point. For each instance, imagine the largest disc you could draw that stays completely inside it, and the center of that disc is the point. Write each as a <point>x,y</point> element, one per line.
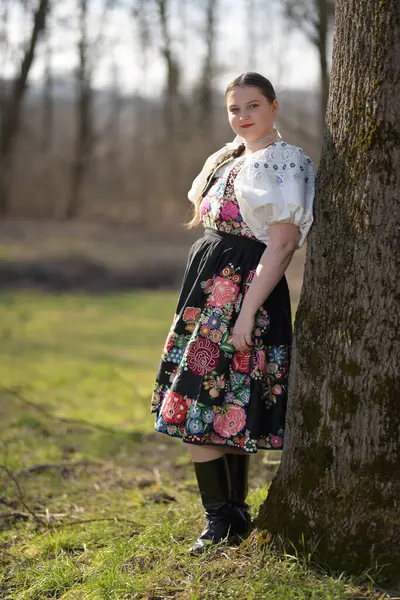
<point>116,519</point>
<point>20,494</point>
<point>15,513</point>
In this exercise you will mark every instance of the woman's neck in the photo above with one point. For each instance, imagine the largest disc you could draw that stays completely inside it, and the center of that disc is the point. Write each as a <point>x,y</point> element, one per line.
<point>263,142</point>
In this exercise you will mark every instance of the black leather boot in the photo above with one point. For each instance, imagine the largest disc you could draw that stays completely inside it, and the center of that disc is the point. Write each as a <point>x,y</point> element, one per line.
<point>239,474</point>
<point>223,520</point>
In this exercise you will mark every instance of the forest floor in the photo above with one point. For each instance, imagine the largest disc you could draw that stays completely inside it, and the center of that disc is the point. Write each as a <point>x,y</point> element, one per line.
<point>94,504</point>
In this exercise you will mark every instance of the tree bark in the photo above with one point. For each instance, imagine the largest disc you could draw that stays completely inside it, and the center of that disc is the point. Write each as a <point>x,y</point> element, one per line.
<point>11,109</point>
<point>337,491</point>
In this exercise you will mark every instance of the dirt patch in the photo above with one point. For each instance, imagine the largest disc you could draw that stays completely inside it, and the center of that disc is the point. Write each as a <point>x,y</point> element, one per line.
<point>81,274</point>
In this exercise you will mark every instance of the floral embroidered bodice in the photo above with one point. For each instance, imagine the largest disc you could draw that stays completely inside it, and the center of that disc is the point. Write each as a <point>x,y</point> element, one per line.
<point>219,208</point>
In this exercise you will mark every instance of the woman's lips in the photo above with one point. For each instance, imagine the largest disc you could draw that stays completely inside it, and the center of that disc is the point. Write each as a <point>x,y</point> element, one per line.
<point>246,126</point>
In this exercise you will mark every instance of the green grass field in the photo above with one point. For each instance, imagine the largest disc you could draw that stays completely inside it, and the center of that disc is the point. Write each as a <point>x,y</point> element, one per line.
<point>95,504</point>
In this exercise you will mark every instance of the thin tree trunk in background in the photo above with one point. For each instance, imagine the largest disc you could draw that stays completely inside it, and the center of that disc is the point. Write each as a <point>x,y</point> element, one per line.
<point>171,102</point>
<point>4,49</point>
<point>12,108</point>
<point>84,138</point>
<point>314,17</point>
<point>339,479</point>
<point>114,124</point>
<point>206,88</point>
<point>48,100</point>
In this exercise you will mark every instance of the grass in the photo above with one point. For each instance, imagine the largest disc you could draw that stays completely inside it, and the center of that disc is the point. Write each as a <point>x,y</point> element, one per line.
<point>95,504</point>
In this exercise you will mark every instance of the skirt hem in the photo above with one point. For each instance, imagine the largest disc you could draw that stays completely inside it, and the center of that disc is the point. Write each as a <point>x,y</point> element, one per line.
<point>210,444</point>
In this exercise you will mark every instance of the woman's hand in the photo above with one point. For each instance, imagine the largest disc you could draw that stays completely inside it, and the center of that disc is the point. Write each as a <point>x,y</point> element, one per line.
<point>241,333</point>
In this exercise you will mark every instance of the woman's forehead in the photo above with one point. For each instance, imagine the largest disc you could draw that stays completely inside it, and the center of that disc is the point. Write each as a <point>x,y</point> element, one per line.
<point>243,94</point>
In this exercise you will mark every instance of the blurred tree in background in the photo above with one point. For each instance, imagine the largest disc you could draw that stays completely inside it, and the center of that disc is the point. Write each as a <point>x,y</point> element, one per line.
<point>315,18</point>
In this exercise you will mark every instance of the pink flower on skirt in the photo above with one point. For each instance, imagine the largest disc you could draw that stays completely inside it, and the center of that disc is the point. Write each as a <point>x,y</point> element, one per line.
<point>261,361</point>
<point>231,422</point>
<point>229,210</point>
<point>223,292</point>
<point>276,441</point>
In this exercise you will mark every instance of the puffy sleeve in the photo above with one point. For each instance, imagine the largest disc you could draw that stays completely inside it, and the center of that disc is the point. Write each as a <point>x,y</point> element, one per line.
<point>281,188</point>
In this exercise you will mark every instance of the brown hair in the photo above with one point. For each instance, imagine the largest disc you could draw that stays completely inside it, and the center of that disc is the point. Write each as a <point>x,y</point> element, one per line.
<point>245,79</point>
<point>251,79</point>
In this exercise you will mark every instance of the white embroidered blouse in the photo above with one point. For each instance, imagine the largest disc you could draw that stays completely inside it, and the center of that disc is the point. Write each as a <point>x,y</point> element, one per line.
<point>275,185</point>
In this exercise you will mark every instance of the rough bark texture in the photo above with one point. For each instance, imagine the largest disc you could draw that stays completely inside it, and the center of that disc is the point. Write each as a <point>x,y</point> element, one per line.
<point>339,479</point>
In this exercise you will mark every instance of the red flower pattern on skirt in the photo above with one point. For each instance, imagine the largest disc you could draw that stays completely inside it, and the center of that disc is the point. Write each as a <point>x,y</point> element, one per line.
<point>241,362</point>
<point>203,356</point>
<point>191,314</point>
<point>174,408</point>
<point>223,292</point>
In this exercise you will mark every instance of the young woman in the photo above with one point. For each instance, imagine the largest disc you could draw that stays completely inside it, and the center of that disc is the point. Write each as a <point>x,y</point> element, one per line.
<point>222,382</point>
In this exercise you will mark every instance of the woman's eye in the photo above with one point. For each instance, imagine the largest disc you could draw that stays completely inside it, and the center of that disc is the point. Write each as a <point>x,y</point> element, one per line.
<point>234,110</point>
<point>253,105</point>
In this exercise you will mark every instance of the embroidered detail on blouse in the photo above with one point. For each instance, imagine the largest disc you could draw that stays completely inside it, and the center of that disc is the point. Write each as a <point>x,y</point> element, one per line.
<point>282,163</point>
<point>219,208</point>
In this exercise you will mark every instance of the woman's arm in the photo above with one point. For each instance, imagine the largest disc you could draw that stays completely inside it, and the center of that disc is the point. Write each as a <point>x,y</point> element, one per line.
<point>282,243</point>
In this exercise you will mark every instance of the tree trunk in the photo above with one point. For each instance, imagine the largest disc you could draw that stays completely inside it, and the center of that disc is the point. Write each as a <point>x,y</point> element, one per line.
<point>11,109</point>
<point>172,93</point>
<point>339,478</point>
<point>48,99</point>
<point>206,87</point>
<point>84,139</point>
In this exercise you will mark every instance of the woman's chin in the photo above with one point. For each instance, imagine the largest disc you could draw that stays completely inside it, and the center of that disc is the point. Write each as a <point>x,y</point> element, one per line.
<point>248,136</point>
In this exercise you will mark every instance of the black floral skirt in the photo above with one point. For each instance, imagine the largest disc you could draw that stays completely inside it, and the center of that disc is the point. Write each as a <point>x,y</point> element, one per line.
<point>207,393</point>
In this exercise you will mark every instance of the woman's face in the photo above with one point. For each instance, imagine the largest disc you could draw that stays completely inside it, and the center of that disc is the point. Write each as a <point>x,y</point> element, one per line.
<point>250,113</point>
